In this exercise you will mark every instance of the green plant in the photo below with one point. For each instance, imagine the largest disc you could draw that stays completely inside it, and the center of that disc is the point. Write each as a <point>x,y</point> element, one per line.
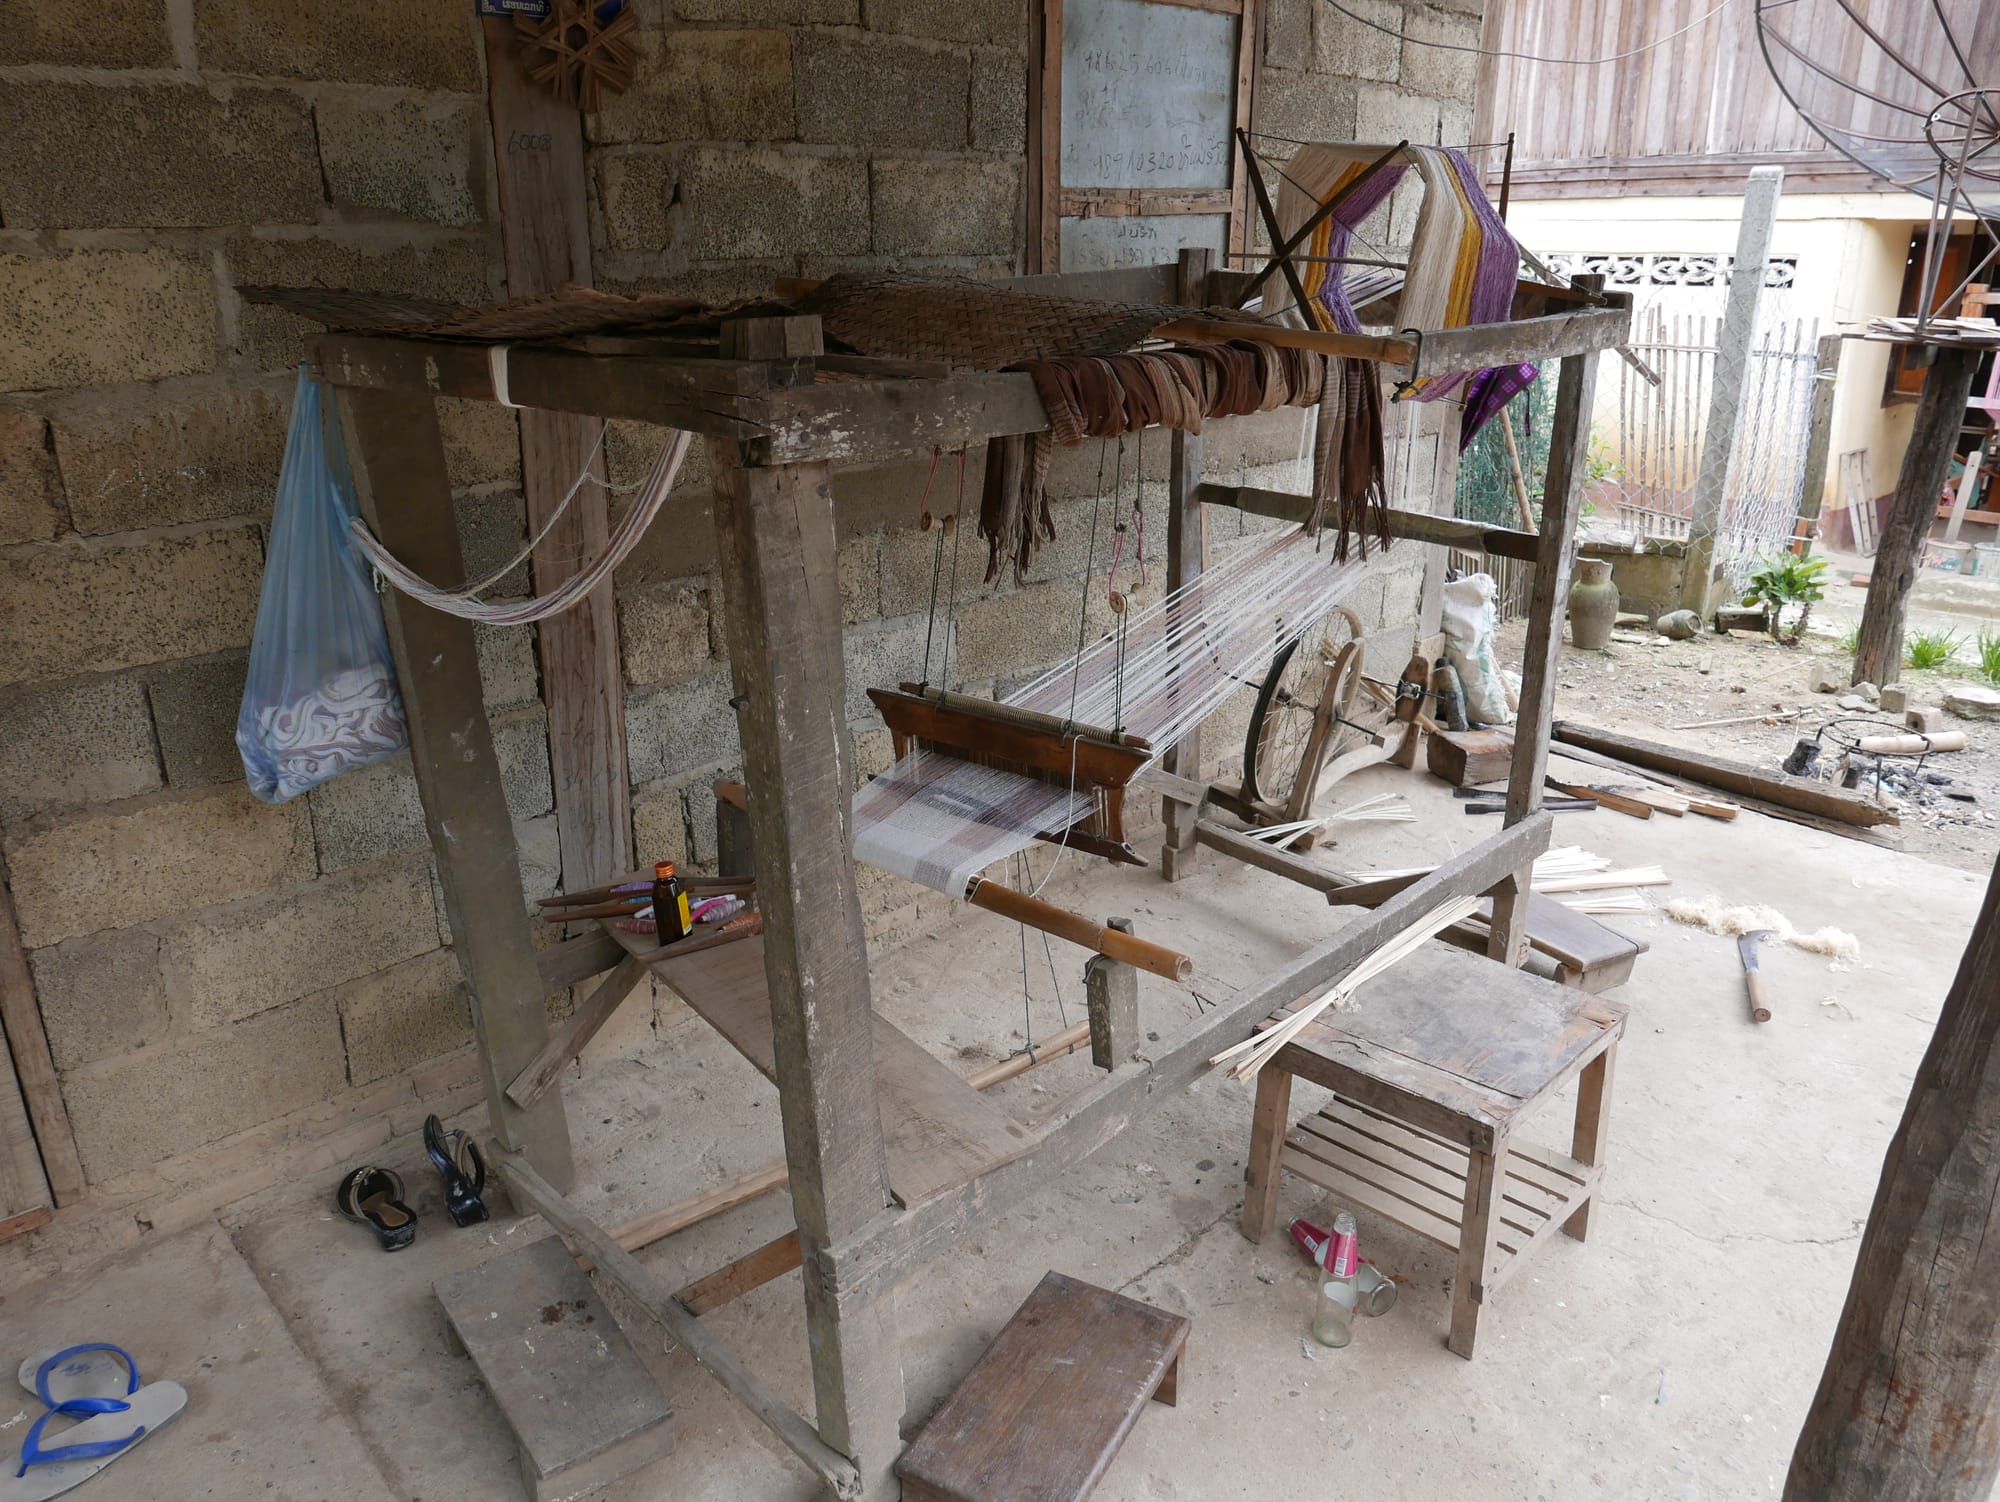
<point>1850,640</point>
<point>1929,649</point>
<point>1598,465</point>
<point>1989,656</point>
<point>1783,582</point>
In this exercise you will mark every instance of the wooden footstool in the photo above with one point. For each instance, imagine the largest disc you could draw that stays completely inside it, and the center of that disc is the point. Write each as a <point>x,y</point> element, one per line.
<point>1434,1066</point>
<point>1043,1412</point>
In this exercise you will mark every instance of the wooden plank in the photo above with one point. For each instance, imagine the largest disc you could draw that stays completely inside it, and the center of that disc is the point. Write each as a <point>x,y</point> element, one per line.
<point>1187,556</point>
<point>24,1188</point>
<point>1045,136</point>
<point>1806,794</point>
<point>1562,507</point>
<point>1111,996</point>
<point>1913,507</point>
<point>540,1073</point>
<point>1267,857</point>
<point>564,965</point>
<point>1481,346</point>
<point>34,1070</point>
<point>1447,531</point>
<point>1592,1128</point>
<point>712,397</point>
<point>1906,1402</point>
<point>1095,1116</point>
<point>1045,1409</point>
<point>582,1406</point>
<point>1117,203</point>
<point>773,1259</point>
<point>585,1235</point>
<point>545,244</point>
<point>1819,432</point>
<point>397,459</point>
<point>1475,1249</point>
<point>775,535</point>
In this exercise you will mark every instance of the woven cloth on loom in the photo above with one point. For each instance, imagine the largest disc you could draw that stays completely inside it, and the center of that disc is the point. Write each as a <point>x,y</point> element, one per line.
<point>1462,265</point>
<point>938,820</point>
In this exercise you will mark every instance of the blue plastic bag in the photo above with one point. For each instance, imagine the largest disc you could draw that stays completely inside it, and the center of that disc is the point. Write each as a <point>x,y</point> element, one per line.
<point>321,697</point>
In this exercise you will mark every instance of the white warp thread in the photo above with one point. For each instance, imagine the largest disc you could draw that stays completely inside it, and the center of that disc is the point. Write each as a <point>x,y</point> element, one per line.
<point>460,602</point>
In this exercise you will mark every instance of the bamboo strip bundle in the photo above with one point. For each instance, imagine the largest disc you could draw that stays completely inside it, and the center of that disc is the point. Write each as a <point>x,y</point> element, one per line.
<point>1284,835</point>
<point>1598,903</point>
<point>1637,876</point>
<point>1259,1050</point>
<point>1386,808</point>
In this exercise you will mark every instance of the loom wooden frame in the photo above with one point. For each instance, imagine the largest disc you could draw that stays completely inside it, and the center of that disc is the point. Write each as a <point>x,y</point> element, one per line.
<point>772,433</point>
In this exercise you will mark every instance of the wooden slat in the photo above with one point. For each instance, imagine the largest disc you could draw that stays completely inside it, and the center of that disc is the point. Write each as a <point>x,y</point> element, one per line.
<point>586,1236</point>
<point>24,1188</point>
<point>564,965</point>
<point>397,459</point>
<point>1187,556</point>
<point>1267,857</point>
<point>33,1068</point>
<point>773,1259</point>
<point>539,1075</point>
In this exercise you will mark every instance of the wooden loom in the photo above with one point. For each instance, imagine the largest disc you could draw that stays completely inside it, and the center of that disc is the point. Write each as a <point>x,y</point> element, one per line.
<point>893,1159</point>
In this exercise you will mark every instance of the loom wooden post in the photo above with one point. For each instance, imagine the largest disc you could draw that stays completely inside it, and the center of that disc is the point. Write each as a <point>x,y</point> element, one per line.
<point>775,534</point>
<point>1187,555</point>
<point>734,854</point>
<point>397,459</point>
<point>1562,505</point>
<point>1111,992</point>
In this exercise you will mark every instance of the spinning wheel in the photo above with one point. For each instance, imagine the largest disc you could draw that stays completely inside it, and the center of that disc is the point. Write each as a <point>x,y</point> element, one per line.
<point>1304,716</point>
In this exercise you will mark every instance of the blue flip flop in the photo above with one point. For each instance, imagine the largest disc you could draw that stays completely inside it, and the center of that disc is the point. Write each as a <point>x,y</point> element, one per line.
<point>96,1390</point>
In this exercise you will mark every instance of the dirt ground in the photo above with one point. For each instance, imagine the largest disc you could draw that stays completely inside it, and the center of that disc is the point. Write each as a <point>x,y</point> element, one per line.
<point>1644,684</point>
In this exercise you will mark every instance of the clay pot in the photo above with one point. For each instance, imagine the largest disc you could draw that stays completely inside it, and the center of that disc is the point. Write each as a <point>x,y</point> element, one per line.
<point>1593,604</point>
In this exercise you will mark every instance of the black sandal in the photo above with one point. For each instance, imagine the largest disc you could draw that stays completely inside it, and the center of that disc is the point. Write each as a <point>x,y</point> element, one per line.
<point>374,1197</point>
<point>457,1159</point>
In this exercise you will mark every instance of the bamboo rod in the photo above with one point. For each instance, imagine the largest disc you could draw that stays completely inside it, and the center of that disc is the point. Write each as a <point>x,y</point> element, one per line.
<point>1109,942</point>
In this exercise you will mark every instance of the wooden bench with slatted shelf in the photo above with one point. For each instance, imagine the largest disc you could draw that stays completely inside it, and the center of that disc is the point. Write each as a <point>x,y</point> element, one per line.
<point>1434,1067</point>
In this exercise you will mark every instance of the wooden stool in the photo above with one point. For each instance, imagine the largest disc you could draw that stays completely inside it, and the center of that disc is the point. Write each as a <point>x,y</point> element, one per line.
<point>1433,1067</point>
<point>1043,1412</point>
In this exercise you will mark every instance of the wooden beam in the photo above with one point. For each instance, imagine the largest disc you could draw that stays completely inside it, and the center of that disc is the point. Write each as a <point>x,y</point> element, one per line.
<point>28,1042</point>
<point>1878,656</point>
<point>1111,995</point>
<point>545,241</point>
<point>397,460</point>
<point>731,1281</point>
<point>1419,526</point>
<point>564,965</point>
<point>1268,857</point>
<point>1562,508</point>
<point>539,1075</point>
<point>1187,556</point>
<point>884,1252</point>
<point>717,398</point>
<point>1909,1402</point>
<point>1809,795</point>
<point>619,1265</point>
<point>1109,942</point>
<point>1819,438</point>
<point>775,534</point>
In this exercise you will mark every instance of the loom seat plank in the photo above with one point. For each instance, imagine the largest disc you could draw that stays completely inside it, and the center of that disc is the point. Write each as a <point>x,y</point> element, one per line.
<point>1043,1413</point>
<point>1434,1068</point>
<point>938,1131</point>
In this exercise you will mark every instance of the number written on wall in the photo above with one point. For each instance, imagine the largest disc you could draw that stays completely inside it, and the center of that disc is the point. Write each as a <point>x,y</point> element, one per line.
<point>1148,95</point>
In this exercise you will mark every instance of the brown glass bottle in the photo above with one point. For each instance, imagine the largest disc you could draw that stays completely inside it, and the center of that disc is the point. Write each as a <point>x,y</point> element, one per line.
<point>670,904</point>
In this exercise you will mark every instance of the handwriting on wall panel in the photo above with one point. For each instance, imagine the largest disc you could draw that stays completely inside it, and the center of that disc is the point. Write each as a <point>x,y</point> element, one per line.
<point>1148,95</point>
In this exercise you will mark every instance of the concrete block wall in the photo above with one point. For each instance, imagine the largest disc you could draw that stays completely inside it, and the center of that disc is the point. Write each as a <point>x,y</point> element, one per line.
<point>222,980</point>
<point>218,978</point>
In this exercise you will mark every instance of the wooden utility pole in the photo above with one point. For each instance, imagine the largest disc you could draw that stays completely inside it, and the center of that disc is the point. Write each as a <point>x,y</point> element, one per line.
<point>1909,1404</point>
<point>1878,656</point>
<point>1725,392</point>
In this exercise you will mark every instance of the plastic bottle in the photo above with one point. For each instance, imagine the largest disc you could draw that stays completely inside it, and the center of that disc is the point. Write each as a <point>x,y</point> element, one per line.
<point>671,917</point>
<point>1333,1321</point>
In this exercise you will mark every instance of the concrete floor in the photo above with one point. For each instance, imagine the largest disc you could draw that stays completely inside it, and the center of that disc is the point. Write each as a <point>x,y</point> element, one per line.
<point>1672,1356</point>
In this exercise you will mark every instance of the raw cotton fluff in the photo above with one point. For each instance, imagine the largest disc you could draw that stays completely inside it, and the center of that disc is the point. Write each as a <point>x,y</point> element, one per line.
<point>1711,914</point>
